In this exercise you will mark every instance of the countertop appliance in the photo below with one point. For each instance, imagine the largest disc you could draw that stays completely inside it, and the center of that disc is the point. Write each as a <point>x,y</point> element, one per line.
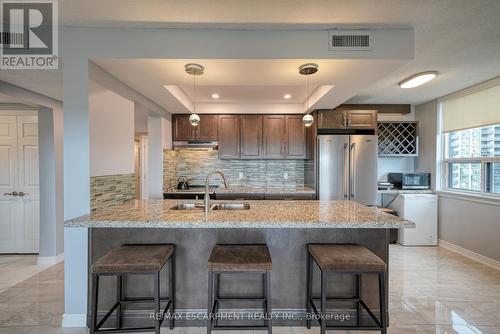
<point>410,180</point>
<point>422,210</point>
<point>347,167</point>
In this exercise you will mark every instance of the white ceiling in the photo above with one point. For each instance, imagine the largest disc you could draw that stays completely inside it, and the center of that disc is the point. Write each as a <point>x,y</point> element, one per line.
<point>458,38</point>
<point>248,94</point>
<point>247,81</point>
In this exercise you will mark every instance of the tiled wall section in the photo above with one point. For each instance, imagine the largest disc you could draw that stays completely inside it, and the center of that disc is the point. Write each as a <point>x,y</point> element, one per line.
<point>108,190</point>
<point>169,169</point>
<point>256,173</point>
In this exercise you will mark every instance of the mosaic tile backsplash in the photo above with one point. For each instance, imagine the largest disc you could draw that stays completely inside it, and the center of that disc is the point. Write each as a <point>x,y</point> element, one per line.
<point>109,190</point>
<point>256,173</point>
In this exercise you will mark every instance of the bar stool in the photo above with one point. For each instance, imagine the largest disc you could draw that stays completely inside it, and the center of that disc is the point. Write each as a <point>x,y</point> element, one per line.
<point>134,260</point>
<point>353,259</point>
<point>231,259</point>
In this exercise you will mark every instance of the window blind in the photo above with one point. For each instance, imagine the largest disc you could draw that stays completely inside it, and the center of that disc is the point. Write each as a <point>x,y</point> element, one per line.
<point>473,110</point>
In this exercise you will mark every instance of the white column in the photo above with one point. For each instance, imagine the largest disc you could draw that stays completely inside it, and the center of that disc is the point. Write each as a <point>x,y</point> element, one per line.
<point>76,189</point>
<point>51,197</point>
<point>155,158</point>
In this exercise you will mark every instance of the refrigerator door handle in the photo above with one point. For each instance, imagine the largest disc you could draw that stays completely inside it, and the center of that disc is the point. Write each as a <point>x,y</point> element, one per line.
<point>353,170</point>
<point>346,171</point>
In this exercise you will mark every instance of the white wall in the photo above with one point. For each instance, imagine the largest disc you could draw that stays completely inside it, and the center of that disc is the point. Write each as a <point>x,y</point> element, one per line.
<point>166,132</point>
<point>426,115</point>
<point>111,132</point>
<point>155,158</point>
<point>470,224</point>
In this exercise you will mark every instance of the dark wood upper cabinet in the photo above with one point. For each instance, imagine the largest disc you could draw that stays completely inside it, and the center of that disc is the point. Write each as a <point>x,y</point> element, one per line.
<point>247,136</point>
<point>181,128</point>
<point>273,133</point>
<point>362,119</point>
<point>295,137</point>
<point>207,129</point>
<point>347,119</point>
<point>229,136</point>
<point>331,119</point>
<point>251,137</point>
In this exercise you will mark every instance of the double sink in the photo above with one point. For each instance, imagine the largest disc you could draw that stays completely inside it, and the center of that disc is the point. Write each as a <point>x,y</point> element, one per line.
<point>219,206</point>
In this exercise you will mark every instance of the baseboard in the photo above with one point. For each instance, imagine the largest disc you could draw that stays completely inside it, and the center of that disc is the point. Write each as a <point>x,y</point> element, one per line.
<point>50,259</point>
<point>470,254</point>
<point>74,320</point>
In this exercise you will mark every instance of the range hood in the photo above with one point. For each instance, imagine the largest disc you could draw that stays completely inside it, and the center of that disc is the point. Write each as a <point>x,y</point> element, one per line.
<point>195,145</point>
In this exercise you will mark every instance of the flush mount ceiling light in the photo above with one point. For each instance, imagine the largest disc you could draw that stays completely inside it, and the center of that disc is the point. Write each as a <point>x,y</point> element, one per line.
<point>215,96</point>
<point>418,79</point>
<point>287,96</point>
<point>307,70</point>
<point>194,70</point>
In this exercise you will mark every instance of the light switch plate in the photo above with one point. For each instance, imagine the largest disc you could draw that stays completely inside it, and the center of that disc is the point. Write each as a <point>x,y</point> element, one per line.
<point>240,175</point>
<point>285,175</point>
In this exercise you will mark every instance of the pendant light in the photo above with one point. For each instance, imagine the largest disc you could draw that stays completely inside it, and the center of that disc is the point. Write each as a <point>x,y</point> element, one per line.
<point>194,70</point>
<point>307,70</point>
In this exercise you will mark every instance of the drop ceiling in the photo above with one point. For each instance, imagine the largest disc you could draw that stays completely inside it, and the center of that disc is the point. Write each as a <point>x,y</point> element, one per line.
<point>248,81</point>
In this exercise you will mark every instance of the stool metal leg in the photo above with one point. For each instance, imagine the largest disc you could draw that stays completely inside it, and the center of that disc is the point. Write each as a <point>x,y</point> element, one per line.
<point>172,290</point>
<point>157,320</point>
<point>383,310</point>
<point>119,298</point>
<point>323,302</point>
<point>358,296</point>
<point>216,298</point>
<point>95,290</point>
<point>269,303</point>
<point>309,291</point>
<point>210,301</point>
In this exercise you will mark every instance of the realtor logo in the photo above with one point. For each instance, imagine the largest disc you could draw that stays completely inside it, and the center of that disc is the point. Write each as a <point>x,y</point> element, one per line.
<point>29,34</point>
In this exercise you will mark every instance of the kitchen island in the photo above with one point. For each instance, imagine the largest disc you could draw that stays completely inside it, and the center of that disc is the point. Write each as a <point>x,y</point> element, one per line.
<point>285,226</point>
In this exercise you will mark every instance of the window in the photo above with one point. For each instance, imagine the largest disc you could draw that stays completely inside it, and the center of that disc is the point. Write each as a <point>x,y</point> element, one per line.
<point>472,159</point>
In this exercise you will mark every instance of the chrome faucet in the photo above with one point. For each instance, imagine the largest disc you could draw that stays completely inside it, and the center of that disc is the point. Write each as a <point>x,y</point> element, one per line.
<point>207,195</point>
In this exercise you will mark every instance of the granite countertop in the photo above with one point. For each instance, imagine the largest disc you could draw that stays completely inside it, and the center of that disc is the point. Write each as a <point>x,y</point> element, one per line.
<point>262,214</point>
<point>246,190</point>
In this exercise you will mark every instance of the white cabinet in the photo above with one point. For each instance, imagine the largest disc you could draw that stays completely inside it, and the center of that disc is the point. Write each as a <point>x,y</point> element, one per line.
<point>422,210</point>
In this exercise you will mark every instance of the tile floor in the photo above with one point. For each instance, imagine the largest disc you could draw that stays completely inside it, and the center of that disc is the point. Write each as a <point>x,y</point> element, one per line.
<point>432,290</point>
<point>16,268</point>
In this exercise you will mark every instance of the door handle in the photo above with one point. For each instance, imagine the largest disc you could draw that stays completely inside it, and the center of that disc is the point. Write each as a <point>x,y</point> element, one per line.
<point>344,179</point>
<point>353,169</point>
<point>22,194</point>
<point>14,193</point>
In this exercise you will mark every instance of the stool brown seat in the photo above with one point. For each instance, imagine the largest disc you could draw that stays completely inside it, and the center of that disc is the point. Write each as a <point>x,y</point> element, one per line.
<point>129,260</point>
<point>228,259</point>
<point>345,258</point>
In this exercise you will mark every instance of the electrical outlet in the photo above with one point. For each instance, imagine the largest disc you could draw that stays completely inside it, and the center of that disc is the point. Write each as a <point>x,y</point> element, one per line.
<point>240,175</point>
<point>285,175</point>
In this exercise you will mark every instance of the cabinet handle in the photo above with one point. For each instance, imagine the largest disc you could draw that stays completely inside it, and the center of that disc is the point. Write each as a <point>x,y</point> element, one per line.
<point>348,121</point>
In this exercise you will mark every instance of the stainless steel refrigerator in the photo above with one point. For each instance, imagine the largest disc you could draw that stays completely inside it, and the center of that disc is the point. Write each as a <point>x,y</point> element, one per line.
<point>347,168</point>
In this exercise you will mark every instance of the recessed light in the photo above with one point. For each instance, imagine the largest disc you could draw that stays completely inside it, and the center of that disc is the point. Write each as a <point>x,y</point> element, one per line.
<point>287,96</point>
<point>215,96</point>
<point>418,79</point>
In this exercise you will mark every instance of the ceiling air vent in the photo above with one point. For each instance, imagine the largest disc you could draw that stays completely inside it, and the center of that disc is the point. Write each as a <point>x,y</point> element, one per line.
<point>349,41</point>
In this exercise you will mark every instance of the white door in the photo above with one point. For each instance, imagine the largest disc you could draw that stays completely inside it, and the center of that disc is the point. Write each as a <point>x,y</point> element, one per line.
<point>19,186</point>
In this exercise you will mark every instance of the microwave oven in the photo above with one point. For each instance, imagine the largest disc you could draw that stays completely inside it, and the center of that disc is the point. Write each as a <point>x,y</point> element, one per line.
<point>410,180</point>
